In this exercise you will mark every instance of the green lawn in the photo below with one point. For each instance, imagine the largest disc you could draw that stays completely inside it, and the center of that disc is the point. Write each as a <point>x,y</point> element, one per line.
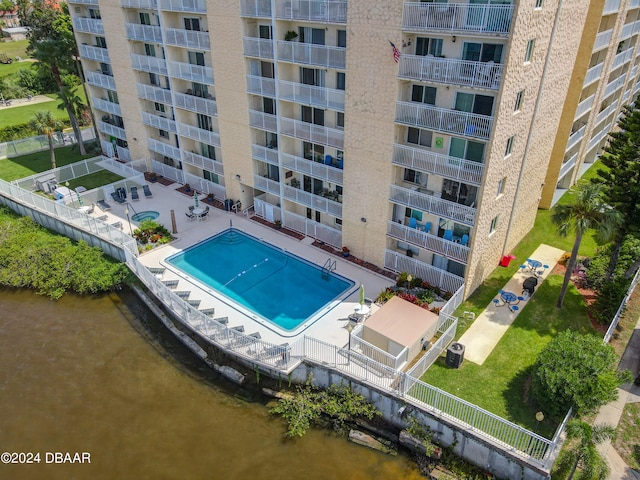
<point>15,49</point>
<point>11,68</point>
<point>95,180</point>
<point>23,166</point>
<point>20,115</point>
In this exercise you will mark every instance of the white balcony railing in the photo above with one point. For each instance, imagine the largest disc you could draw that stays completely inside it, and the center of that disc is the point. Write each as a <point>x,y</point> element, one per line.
<point>149,33</point>
<point>312,133</point>
<point>266,184</point>
<point>575,137</point>
<point>258,47</point>
<point>262,86</point>
<point>264,154</point>
<point>432,204</point>
<point>613,86</point>
<point>451,71</point>
<point>568,165</point>
<point>112,130</point>
<point>158,121</point>
<point>88,25</point>
<point>324,11</point>
<point>457,17</point>
<point>311,168</point>
<point>606,112</point>
<point>264,121</point>
<point>193,6</point>
<point>584,106</point>
<point>329,235</point>
<point>101,80</point>
<point>199,134</point>
<point>123,153</point>
<point>311,95</point>
<point>203,162</point>
<point>163,148</point>
<point>603,39</point>
<point>444,119</point>
<point>593,74</point>
<point>622,58</point>
<point>191,73</point>
<point>437,163</point>
<point>255,8</point>
<point>611,6</point>
<point>144,4</point>
<point>399,262</point>
<point>627,31</point>
<point>94,53</point>
<point>105,106</point>
<point>155,94</point>
<point>85,2</point>
<point>187,38</point>
<point>316,202</point>
<point>430,242</point>
<point>149,64</point>
<point>310,54</point>
<point>192,103</point>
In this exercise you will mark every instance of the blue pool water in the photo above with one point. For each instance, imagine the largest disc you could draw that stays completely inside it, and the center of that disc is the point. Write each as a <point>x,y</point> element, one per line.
<point>146,215</point>
<point>277,286</point>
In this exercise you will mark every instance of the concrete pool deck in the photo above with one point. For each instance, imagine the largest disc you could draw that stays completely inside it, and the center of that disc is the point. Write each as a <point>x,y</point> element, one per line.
<point>329,327</point>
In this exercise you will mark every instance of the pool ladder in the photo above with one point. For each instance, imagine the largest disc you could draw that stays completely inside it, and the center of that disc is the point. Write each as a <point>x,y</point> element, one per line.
<point>328,267</point>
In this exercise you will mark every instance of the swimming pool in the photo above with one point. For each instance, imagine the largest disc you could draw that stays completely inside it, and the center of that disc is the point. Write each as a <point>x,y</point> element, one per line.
<point>279,287</point>
<point>146,215</point>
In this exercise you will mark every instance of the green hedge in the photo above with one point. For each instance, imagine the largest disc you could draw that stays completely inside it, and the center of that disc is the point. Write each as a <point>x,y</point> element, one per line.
<point>24,130</point>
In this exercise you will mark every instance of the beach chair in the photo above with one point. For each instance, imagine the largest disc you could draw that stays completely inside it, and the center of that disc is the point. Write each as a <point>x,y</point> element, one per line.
<point>147,191</point>
<point>134,193</point>
<point>116,197</point>
<point>104,206</point>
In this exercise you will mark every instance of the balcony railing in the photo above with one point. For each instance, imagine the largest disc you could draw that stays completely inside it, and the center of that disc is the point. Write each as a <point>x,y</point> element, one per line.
<point>106,106</point>
<point>264,121</point>
<point>266,184</point>
<point>101,80</point>
<point>314,169</point>
<point>606,112</point>
<point>94,53</point>
<point>312,133</point>
<point>157,121</point>
<point>593,74</point>
<point>311,95</point>
<point>163,148</point>
<point>192,73</point>
<point>611,6</point>
<point>149,64</point>
<point>451,71</point>
<point>584,106</point>
<point>437,163</point>
<point>316,202</point>
<point>155,94</point>
<point>258,47</point>
<point>187,38</point>
<point>309,54</point>
<point>603,39</point>
<point>123,153</point>
<point>613,86</point>
<point>622,58</point>
<point>575,137</point>
<point>255,8</point>
<point>196,104</point>
<point>261,86</point>
<point>444,119</point>
<point>145,4</point>
<point>112,130</point>
<point>433,204</point>
<point>457,17</point>
<point>399,262</point>
<point>264,154</point>
<point>194,6</point>
<point>85,2</point>
<point>324,11</point>
<point>148,33</point>
<point>203,162</point>
<point>199,134</point>
<point>89,25</point>
<point>430,242</point>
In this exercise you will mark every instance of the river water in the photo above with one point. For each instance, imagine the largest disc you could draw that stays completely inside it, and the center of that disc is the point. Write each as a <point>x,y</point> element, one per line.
<point>99,375</point>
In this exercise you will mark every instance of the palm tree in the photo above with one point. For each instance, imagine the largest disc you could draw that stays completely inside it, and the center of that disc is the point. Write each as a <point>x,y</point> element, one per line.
<point>45,124</point>
<point>588,211</point>
<point>585,454</point>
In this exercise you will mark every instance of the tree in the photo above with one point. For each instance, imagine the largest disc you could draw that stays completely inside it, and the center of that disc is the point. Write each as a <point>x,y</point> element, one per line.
<point>588,211</point>
<point>23,8</point>
<point>584,453</point>
<point>576,370</point>
<point>45,124</point>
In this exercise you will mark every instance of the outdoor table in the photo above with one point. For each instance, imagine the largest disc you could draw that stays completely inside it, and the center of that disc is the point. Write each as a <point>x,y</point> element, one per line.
<point>85,209</point>
<point>509,297</point>
<point>198,211</point>
<point>534,265</point>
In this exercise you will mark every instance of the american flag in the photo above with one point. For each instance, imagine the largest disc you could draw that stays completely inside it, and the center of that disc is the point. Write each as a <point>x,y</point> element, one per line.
<point>396,53</point>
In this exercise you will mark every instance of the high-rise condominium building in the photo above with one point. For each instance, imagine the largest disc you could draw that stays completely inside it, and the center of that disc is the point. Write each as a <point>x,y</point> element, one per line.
<point>423,135</point>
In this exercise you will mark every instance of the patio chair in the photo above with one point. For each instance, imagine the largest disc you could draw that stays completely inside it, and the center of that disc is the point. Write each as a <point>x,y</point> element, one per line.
<point>104,206</point>
<point>427,227</point>
<point>190,216</point>
<point>147,191</point>
<point>464,240</point>
<point>134,193</point>
<point>413,223</point>
<point>191,207</point>
<point>117,197</point>
<point>448,235</point>
<point>203,215</point>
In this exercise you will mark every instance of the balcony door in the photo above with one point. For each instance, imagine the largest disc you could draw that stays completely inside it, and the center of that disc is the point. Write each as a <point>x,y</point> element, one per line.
<point>482,52</point>
<point>472,103</point>
<point>315,36</point>
<point>312,76</point>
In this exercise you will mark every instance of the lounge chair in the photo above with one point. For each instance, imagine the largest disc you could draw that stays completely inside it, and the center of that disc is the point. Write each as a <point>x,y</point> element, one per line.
<point>464,240</point>
<point>104,206</point>
<point>116,197</point>
<point>427,227</point>
<point>147,191</point>
<point>134,193</point>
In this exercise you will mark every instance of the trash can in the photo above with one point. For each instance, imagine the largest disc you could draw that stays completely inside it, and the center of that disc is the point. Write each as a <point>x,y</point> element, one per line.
<point>228,203</point>
<point>506,260</point>
<point>455,355</point>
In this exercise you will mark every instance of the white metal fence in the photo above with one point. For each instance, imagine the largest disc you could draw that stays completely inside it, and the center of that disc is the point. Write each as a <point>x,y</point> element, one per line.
<point>618,315</point>
<point>24,146</point>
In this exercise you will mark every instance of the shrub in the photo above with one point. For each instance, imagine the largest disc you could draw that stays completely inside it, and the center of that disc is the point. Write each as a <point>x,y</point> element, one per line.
<point>610,297</point>
<point>564,258</point>
<point>385,296</point>
<point>596,272</point>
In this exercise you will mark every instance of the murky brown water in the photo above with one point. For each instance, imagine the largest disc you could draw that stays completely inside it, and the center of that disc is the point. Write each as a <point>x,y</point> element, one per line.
<point>88,375</point>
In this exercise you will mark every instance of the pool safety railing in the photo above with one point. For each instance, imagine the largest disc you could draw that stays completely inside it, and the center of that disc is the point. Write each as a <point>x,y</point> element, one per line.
<point>328,267</point>
<point>130,207</point>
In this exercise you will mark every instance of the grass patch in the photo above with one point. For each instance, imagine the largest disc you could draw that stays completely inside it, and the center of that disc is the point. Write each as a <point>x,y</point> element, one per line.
<point>25,165</point>
<point>12,68</point>
<point>627,324</point>
<point>15,49</point>
<point>24,114</point>
<point>94,180</point>
<point>627,442</point>
<point>500,384</point>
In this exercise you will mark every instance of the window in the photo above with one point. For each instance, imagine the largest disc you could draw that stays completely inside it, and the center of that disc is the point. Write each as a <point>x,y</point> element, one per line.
<point>509,148</point>
<point>529,53</point>
<point>468,102</point>
<point>205,122</point>
<point>268,105</point>
<point>192,24</point>
<point>417,214</point>
<point>266,70</point>
<point>539,3</point>
<point>340,119</point>
<point>311,35</point>
<point>101,42</point>
<point>494,225</point>
<point>154,79</point>
<point>414,176</point>
<point>149,50</point>
<point>482,52</point>
<point>318,217</point>
<point>196,58</point>
<point>112,96</point>
<point>338,221</point>
<point>418,136</point>
<point>163,133</point>
<point>199,89</point>
<point>501,185</point>
<point>342,38</point>
<point>212,177</point>
<point>312,76</point>
<point>208,151</point>
<point>340,80</point>
<point>429,46</point>
<point>105,68</point>
<point>312,115</point>
<point>145,19</point>
<point>461,148</point>
<point>265,32</point>
<point>94,13</point>
<point>159,107</point>
<point>518,104</point>
<point>422,94</point>
<point>313,152</point>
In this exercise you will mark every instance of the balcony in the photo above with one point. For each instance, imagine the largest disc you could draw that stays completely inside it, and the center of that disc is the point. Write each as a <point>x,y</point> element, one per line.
<point>316,202</point>
<point>143,33</point>
<point>258,47</point>
<point>311,95</point>
<point>593,74</point>
<point>575,137</point>
<point>154,94</point>
<point>112,130</point>
<point>613,86</point>
<point>105,106</point>
<point>584,106</point>
<point>123,153</point>
<point>85,2</point>
<point>606,112</point>
<point>94,53</point>
<point>628,31</point>
<point>255,8</point>
<point>426,161</point>
<point>264,154</point>
<point>611,6</point>
<point>88,25</point>
<point>199,134</point>
<point>180,37</point>
<point>262,86</point>
<point>264,121</point>
<point>203,162</point>
<point>158,121</point>
<point>163,148</point>
<point>457,18</point>
<point>444,119</point>
<point>568,165</point>
<point>192,103</point>
<point>451,71</point>
<point>101,80</point>
<point>312,133</point>
<point>192,6</point>
<point>142,4</point>
<point>603,39</point>
<point>622,58</point>
<point>311,168</point>
<point>430,242</point>
<point>432,204</point>
<point>309,54</point>
<point>266,184</point>
<point>399,262</point>
<point>149,64</point>
<point>323,11</point>
<point>192,73</point>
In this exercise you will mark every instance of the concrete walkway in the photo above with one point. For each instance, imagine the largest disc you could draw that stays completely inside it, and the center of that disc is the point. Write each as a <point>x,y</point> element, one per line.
<point>21,102</point>
<point>489,327</point>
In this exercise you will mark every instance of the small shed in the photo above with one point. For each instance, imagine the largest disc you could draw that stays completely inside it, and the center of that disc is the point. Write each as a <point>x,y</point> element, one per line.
<point>399,324</point>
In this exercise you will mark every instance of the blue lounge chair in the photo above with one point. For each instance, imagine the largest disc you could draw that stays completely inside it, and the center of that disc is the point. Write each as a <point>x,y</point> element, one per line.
<point>147,191</point>
<point>464,240</point>
<point>427,227</point>
<point>104,206</point>
<point>134,193</point>
<point>413,223</point>
<point>448,235</point>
